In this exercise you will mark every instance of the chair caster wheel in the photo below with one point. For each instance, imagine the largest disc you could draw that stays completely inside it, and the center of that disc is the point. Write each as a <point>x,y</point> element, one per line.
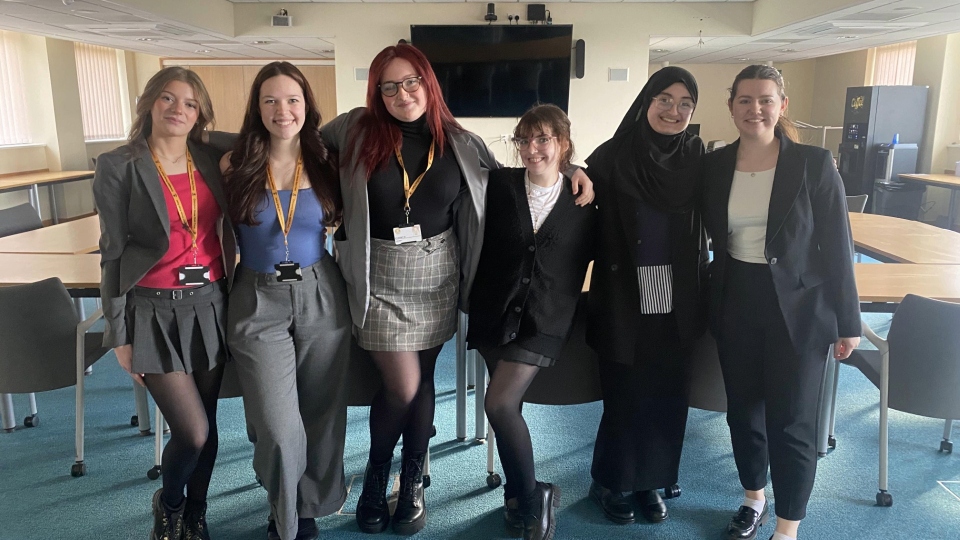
<point>945,446</point>
<point>34,421</point>
<point>493,480</point>
<point>426,481</point>
<point>154,473</point>
<point>884,499</point>
<point>134,421</point>
<point>832,442</point>
<point>672,492</point>
<point>78,469</point>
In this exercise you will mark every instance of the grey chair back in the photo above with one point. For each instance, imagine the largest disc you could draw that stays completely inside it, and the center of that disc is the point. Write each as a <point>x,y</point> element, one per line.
<point>925,358</point>
<point>18,219</point>
<point>38,338</point>
<point>856,203</point>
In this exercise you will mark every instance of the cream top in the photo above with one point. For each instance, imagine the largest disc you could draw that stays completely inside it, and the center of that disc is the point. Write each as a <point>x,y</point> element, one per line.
<point>747,215</point>
<point>541,199</point>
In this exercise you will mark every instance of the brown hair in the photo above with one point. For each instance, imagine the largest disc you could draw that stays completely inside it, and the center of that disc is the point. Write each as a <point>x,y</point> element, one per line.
<point>533,122</point>
<point>143,123</point>
<point>244,180</point>
<point>759,72</point>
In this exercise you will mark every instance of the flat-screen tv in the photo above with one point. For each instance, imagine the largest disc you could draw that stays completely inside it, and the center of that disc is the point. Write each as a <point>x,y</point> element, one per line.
<point>498,71</point>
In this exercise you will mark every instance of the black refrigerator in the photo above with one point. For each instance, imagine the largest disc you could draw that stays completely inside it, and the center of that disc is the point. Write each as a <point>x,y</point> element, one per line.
<point>872,116</point>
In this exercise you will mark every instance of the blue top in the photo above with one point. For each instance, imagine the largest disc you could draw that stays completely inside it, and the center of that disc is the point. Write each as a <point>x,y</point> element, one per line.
<point>261,246</point>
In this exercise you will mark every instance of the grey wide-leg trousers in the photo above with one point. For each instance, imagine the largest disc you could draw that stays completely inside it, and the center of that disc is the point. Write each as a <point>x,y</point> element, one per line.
<point>291,344</point>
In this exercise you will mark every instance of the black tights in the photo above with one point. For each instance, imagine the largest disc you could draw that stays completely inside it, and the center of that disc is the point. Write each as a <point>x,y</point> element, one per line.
<point>405,404</point>
<point>189,405</point>
<point>504,402</point>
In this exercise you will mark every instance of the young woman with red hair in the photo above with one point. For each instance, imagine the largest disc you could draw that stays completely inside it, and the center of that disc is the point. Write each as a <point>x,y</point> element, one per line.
<point>413,194</point>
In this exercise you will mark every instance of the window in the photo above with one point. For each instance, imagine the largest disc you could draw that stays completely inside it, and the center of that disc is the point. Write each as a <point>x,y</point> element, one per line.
<point>893,64</point>
<point>13,115</point>
<point>99,81</point>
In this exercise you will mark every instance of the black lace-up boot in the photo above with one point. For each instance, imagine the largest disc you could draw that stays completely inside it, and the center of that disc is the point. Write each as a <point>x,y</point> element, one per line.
<point>373,515</point>
<point>411,513</point>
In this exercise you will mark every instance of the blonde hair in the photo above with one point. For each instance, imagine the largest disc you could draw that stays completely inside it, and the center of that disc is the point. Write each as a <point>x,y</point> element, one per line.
<point>143,123</point>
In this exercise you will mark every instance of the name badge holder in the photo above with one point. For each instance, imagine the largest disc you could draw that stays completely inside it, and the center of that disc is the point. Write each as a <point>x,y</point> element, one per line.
<point>407,233</point>
<point>287,271</point>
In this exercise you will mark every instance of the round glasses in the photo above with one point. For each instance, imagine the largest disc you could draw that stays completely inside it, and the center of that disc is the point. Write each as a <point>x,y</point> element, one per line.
<point>409,85</point>
<point>537,142</point>
<point>684,106</point>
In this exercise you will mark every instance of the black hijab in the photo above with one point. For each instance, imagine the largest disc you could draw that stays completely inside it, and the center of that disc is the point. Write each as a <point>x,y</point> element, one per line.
<point>661,170</point>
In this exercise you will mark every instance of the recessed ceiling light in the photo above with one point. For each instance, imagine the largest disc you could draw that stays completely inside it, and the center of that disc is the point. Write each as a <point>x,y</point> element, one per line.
<point>146,39</point>
<point>788,50</point>
<point>261,42</point>
<point>847,37</point>
<point>660,50</point>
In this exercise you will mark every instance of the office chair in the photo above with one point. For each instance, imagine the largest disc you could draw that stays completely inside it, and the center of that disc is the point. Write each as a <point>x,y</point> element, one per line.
<point>856,203</point>
<point>915,368</point>
<point>46,346</point>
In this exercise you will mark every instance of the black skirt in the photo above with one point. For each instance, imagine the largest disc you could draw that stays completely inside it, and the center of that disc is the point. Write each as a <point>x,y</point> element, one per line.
<point>511,352</point>
<point>641,432</point>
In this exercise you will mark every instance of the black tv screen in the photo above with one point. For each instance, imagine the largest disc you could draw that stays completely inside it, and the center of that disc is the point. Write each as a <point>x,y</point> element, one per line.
<point>491,71</point>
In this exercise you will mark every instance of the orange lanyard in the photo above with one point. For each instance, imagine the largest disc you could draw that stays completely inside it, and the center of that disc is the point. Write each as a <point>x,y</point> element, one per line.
<point>286,225</point>
<point>190,226</point>
<point>407,188</point>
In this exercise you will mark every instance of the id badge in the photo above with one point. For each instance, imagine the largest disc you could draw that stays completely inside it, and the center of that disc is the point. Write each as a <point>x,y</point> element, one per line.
<point>193,275</point>
<point>405,234</point>
<point>288,271</point>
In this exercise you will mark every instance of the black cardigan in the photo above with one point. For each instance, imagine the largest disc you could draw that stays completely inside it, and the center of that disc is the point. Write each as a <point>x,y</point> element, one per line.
<point>614,299</point>
<point>527,284</point>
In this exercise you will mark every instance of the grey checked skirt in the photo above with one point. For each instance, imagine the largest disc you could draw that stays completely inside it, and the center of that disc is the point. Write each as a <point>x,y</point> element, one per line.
<point>183,331</point>
<point>413,294</point>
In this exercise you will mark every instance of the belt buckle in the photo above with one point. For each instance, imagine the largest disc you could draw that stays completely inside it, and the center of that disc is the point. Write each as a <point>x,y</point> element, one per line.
<point>177,294</point>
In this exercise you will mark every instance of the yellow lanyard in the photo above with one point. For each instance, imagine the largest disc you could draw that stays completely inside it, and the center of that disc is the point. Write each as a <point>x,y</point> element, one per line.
<point>190,226</point>
<point>286,225</point>
<point>407,188</point>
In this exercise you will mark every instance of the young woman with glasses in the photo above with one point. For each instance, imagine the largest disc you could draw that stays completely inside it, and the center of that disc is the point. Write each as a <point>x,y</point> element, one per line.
<point>413,198</point>
<point>646,295</point>
<point>782,290</point>
<point>536,246</point>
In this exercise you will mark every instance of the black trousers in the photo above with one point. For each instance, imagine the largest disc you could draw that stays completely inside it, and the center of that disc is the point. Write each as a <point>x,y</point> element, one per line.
<point>772,392</point>
<point>640,437</point>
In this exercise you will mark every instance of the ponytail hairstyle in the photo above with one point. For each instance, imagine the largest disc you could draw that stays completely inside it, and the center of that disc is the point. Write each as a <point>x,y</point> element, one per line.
<point>785,126</point>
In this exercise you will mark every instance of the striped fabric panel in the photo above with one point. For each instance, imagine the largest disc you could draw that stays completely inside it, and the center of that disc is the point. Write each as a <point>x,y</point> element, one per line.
<point>656,289</point>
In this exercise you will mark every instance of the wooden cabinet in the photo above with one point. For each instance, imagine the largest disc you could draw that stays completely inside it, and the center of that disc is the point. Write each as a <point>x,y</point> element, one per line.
<point>229,87</point>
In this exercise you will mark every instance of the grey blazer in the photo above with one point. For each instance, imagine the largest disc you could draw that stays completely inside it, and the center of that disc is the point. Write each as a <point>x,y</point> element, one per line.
<point>135,225</point>
<point>352,239</point>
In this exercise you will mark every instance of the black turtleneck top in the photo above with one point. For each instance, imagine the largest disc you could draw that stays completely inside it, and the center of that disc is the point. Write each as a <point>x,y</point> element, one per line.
<point>431,206</point>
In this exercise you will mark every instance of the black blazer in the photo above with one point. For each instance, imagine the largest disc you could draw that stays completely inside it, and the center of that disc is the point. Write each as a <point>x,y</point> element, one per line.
<point>135,226</point>
<point>527,285</point>
<point>614,299</point>
<point>809,246</point>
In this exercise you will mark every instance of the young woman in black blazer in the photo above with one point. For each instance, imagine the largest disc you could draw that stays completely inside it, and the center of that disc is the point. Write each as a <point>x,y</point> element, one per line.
<point>782,291</point>
<point>647,294</point>
<point>161,207</point>
<point>536,247</point>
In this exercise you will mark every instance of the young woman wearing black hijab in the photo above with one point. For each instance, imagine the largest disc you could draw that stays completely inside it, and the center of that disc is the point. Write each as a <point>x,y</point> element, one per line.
<point>647,294</point>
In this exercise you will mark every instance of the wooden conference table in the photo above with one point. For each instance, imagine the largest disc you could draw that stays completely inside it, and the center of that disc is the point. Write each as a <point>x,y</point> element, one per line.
<point>73,237</point>
<point>34,180</point>
<point>948,181</point>
<point>892,239</point>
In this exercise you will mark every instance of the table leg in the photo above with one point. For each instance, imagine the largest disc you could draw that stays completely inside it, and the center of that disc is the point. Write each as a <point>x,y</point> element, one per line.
<point>7,415</point>
<point>35,200</point>
<point>461,377</point>
<point>54,213</point>
<point>952,217</point>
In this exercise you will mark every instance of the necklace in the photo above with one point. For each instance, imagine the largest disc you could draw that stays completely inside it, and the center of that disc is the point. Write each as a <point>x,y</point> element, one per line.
<point>174,161</point>
<point>541,201</point>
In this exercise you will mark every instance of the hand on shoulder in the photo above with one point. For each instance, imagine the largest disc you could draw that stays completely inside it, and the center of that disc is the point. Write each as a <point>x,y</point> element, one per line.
<point>225,162</point>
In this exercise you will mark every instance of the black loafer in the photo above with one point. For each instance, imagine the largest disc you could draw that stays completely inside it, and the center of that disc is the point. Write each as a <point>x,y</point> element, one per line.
<point>651,506</point>
<point>614,504</point>
<point>746,523</point>
<point>512,518</point>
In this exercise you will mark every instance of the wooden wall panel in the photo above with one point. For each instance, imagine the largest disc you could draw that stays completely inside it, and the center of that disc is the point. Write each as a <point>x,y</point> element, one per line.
<point>229,87</point>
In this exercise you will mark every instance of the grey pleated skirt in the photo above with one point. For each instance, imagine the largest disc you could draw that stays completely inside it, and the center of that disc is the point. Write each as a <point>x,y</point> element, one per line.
<point>177,331</point>
<point>413,294</point>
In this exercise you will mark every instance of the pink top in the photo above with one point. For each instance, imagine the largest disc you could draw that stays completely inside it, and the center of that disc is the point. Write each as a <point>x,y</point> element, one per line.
<point>163,275</point>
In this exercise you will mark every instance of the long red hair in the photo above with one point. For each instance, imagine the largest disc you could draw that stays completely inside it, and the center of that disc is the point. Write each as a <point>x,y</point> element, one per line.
<point>379,130</point>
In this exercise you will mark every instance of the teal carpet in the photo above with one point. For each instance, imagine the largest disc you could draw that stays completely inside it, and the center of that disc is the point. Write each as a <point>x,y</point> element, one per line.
<point>40,500</point>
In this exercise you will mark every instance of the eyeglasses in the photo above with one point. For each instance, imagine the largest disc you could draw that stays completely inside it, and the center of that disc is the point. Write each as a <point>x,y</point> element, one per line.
<point>537,142</point>
<point>409,85</point>
<point>664,103</point>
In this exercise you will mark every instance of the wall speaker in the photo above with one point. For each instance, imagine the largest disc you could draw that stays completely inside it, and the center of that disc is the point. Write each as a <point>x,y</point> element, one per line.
<point>579,53</point>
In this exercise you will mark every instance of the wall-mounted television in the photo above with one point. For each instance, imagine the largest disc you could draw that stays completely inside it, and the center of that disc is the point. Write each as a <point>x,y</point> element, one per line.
<point>498,71</point>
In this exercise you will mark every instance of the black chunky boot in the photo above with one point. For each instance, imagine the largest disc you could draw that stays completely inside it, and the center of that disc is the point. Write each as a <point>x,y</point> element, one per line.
<point>195,521</point>
<point>539,512</point>
<point>411,513</point>
<point>167,522</point>
<point>373,515</point>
